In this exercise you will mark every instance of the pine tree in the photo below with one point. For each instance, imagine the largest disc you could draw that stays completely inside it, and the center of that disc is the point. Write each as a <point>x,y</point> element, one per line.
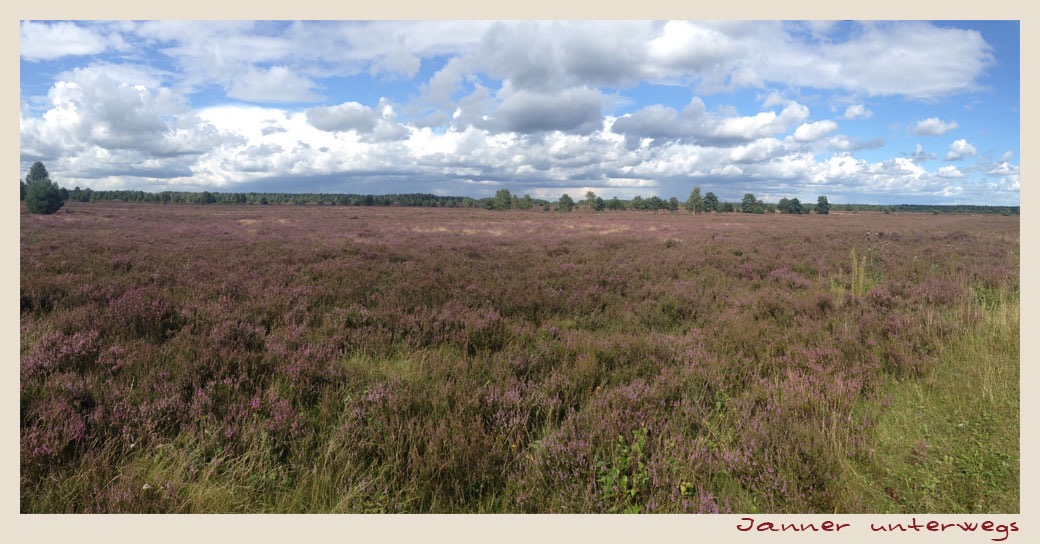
<point>37,172</point>
<point>566,203</point>
<point>42,196</point>
<point>711,202</point>
<point>503,200</point>
<point>822,206</point>
<point>747,205</point>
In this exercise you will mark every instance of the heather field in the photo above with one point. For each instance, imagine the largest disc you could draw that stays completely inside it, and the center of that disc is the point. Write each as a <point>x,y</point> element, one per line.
<point>188,358</point>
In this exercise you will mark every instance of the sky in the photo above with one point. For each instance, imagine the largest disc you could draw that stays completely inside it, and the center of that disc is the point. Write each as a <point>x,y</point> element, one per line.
<point>872,112</point>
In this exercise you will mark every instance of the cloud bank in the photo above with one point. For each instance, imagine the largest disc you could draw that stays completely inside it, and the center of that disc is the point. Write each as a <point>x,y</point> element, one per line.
<point>458,107</point>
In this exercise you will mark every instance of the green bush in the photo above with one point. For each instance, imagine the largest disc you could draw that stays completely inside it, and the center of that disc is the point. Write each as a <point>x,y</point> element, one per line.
<point>43,196</point>
<point>40,194</point>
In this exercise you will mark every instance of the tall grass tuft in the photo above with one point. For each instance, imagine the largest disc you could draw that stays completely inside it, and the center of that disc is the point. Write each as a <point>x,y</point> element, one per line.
<point>856,284</point>
<point>860,281</point>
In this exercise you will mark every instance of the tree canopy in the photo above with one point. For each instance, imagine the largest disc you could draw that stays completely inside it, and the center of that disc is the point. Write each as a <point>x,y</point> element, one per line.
<point>695,203</point>
<point>42,196</point>
<point>747,205</point>
<point>711,202</point>
<point>822,206</point>
<point>37,172</point>
<point>566,203</point>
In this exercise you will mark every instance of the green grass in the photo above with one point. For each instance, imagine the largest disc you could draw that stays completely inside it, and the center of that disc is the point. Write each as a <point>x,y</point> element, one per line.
<point>950,442</point>
<point>858,282</point>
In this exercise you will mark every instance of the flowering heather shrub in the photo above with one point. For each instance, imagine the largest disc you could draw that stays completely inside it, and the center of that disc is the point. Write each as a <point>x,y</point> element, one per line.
<point>134,497</point>
<point>53,429</point>
<point>163,408</point>
<point>937,292</point>
<point>449,431</point>
<point>42,295</point>
<point>114,359</point>
<point>56,424</point>
<point>561,472</point>
<point>473,330</point>
<point>238,336</point>
<point>506,413</point>
<point>884,296</point>
<point>121,263</point>
<point>995,276</point>
<point>59,351</point>
<point>144,313</point>
<point>117,419</point>
<point>785,450</point>
<point>786,277</point>
<point>435,360</point>
<point>283,424</point>
<point>308,370</point>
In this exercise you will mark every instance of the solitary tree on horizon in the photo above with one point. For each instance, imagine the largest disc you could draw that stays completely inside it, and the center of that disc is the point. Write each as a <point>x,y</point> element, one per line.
<point>748,204</point>
<point>822,206</point>
<point>695,203</point>
<point>566,203</point>
<point>42,196</point>
<point>503,200</point>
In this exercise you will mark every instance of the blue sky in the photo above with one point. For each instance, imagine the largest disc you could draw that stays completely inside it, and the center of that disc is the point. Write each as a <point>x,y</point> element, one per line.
<point>863,112</point>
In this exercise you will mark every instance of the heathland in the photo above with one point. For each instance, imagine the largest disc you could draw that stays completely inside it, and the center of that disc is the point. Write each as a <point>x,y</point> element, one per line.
<point>180,358</point>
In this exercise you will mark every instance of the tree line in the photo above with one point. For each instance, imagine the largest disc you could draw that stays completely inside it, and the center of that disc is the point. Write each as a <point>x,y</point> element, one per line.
<point>45,196</point>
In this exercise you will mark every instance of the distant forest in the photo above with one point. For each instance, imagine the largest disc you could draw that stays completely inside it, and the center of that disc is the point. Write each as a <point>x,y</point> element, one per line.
<point>502,200</point>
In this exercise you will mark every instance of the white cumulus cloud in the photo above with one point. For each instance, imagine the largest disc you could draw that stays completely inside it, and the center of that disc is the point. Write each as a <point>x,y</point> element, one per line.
<point>90,109</point>
<point>536,106</point>
<point>842,142</point>
<point>275,84</point>
<point>810,132</point>
<point>694,122</point>
<point>933,126</point>
<point>757,151</point>
<point>959,149</point>
<point>48,41</point>
<point>858,111</point>
<point>920,155</point>
<point>761,124</point>
<point>1002,169</point>
<point>343,117</point>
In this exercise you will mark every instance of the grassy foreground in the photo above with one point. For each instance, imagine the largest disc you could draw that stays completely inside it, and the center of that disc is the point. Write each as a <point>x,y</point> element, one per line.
<point>332,359</point>
<point>950,441</point>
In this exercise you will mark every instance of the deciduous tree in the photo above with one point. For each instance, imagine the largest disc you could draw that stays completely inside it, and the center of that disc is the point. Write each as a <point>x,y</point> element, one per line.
<point>695,203</point>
